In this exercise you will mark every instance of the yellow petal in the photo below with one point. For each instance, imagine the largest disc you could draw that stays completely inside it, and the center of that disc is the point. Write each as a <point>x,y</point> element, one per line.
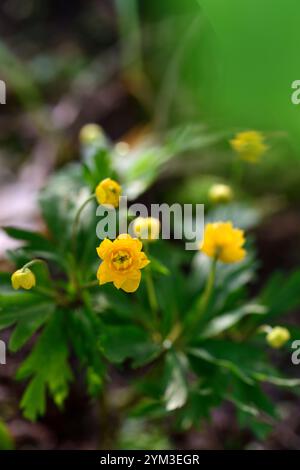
<point>134,241</point>
<point>28,281</point>
<point>132,283</point>
<point>104,274</point>
<point>104,248</point>
<point>138,244</point>
<point>15,281</point>
<point>124,236</point>
<point>232,255</point>
<point>143,260</point>
<point>119,281</point>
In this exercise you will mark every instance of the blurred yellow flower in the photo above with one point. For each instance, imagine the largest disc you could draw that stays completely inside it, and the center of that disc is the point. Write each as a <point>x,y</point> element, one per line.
<point>278,336</point>
<point>219,193</point>
<point>122,148</point>
<point>90,133</point>
<point>122,262</point>
<point>146,228</point>
<point>223,242</point>
<point>108,192</point>
<point>249,145</point>
<point>23,278</point>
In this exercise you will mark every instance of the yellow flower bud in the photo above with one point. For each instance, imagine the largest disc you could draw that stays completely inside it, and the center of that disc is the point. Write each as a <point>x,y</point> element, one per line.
<point>90,133</point>
<point>108,192</point>
<point>122,148</point>
<point>23,278</point>
<point>249,145</point>
<point>146,228</point>
<point>219,193</point>
<point>278,336</point>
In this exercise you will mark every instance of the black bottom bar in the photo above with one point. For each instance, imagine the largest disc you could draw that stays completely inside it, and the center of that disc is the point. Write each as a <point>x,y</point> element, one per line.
<point>135,459</point>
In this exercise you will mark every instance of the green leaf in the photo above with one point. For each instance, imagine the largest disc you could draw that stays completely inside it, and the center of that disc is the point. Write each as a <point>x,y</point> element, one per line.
<point>198,407</point>
<point>227,320</point>
<point>230,278</point>
<point>148,407</point>
<point>158,267</point>
<point>84,331</point>
<point>172,291</point>
<point>27,327</point>
<point>109,299</point>
<point>142,166</point>
<point>259,428</point>
<point>59,202</point>
<point>33,402</point>
<point>94,382</point>
<point>281,294</point>
<point>252,396</point>
<point>176,393</point>
<point>222,363</point>
<point>47,366</point>
<point>121,342</point>
<point>97,165</point>
<point>34,239</point>
<point>6,440</point>
<point>245,407</point>
<point>279,381</point>
<point>36,246</point>
<point>24,308</point>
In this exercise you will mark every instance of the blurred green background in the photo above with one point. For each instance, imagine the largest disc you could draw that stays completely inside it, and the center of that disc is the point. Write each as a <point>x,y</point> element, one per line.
<point>226,66</point>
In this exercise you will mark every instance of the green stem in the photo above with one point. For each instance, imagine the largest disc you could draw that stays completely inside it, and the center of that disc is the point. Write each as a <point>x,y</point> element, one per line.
<point>76,222</point>
<point>173,336</point>
<point>150,287</point>
<point>237,172</point>
<point>41,290</point>
<point>44,291</point>
<point>151,294</point>
<point>208,288</point>
<point>34,261</point>
<point>89,284</point>
<point>196,313</point>
<point>264,329</point>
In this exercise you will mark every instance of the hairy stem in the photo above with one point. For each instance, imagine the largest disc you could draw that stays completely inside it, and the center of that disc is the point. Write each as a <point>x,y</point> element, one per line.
<point>76,222</point>
<point>151,294</point>
<point>208,288</point>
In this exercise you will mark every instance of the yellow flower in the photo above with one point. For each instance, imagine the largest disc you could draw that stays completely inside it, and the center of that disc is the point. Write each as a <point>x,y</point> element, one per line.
<point>219,193</point>
<point>223,242</point>
<point>108,192</point>
<point>90,133</point>
<point>249,145</point>
<point>278,336</point>
<point>146,228</point>
<point>23,278</point>
<point>122,262</point>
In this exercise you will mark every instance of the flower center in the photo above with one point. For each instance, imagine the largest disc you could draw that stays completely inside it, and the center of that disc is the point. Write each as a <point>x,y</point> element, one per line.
<point>121,260</point>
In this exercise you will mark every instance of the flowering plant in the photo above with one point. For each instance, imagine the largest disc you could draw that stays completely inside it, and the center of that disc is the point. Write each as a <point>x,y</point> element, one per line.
<point>185,324</point>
